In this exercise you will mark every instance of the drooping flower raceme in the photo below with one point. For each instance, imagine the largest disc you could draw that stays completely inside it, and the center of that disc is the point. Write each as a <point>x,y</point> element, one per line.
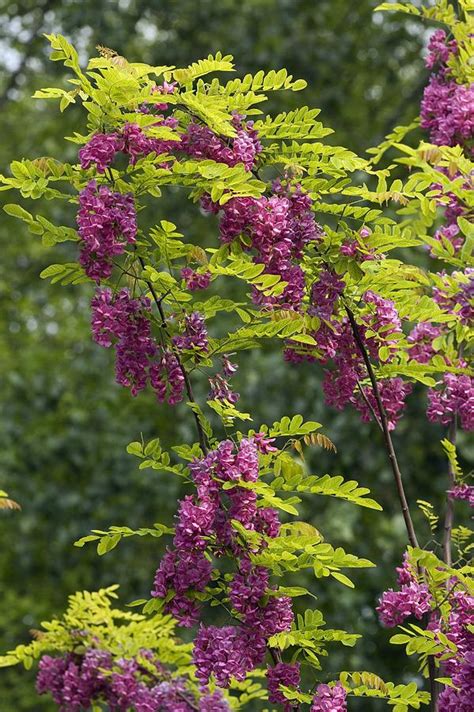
<point>107,223</point>
<point>286,674</point>
<point>329,699</point>
<point>78,681</point>
<point>203,532</point>
<point>454,397</point>
<point>125,322</point>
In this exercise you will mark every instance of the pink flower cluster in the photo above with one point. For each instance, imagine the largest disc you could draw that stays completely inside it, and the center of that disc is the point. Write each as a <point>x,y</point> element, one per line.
<point>204,531</point>
<point>447,113</point>
<point>120,320</point>
<point>336,345</point>
<point>457,296</point>
<point>107,223</point>
<point>447,108</point>
<point>452,208</point>
<point>463,492</point>
<point>101,150</point>
<point>454,398</point>
<point>220,388</point>
<point>195,280</point>
<point>278,227</point>
<point>329,699</point>
<point>199,141</point>
<point>357,249</point>
<point>439,49</point>
<point>195,334</point>
<point>413,599</point>
<point>76,682</point>
<point>459,666</point>
<point>286,674</point>
<point>422,337</point>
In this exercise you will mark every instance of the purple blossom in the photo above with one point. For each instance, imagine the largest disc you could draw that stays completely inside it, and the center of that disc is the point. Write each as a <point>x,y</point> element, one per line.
<point>413,599</point>
<point>405,572</point>
<point>220,390</point>
<point>195,280</point>
<point>458,664</point>
<point>455,397</point>
<point>457,297</point>
<point>463,492</point>
<point>325,293</point>
<point>213,703</point>
<point>393,392</point>
<point>422,337</point>
<point>247,587</point>
<point>329,699</point>
<point>74,681</point>
<point>282,674</point>
<point>223,653</point>
<point>447,111</point>
<point>100,150</point>
<point>267,522</point>
<point>278,228</point>
<point>107,223</point>
<point>195,334</point>
<point>167,379</point>
<point>201,142</point>
<point>264,443</point>
<point>439,49</point>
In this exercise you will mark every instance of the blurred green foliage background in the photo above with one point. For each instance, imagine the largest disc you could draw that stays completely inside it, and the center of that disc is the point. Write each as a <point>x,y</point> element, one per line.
<point>64,424</point>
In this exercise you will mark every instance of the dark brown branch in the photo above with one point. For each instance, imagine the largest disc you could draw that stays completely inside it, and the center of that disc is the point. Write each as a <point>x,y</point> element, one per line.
<point>397,476</point>
<point>386,432</point>
<point>201,434</point>
<point>369,406</point>
<point>434,687</point>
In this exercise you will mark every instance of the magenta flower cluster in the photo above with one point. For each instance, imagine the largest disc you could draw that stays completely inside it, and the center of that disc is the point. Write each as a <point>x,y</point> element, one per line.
<point>195,335</point>
<point>447,108</point>
<point>336,345</point>
<point>463,492</point>
<point>459,665</point>
<point>107,224</point>
<point>457,294</point>
<point>199,141</point>
<point>452,208</point>
<point>77,681</point>
<point>329,699</point>
<point>447,113</point>
<point>203,532</point>
<point>413,599</point>
<point>277,229</point>
<point>287,674</point>
<point>220,388</point>
<point>125,322</point>
<point>454,397</point>
<point>196,280</point>
<point>101,149</point>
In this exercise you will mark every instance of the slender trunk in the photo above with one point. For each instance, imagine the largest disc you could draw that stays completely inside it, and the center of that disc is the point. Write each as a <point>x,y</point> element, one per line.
<point>386,432</point>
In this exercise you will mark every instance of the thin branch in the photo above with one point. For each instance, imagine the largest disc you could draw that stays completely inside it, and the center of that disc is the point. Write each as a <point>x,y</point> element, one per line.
<point>369,406</point>
<point>386,432</point>
<point>434,686</point>
<point>201,434</point>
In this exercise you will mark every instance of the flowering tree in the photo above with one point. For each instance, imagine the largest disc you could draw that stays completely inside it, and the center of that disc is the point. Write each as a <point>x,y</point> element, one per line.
<point>302,225</point>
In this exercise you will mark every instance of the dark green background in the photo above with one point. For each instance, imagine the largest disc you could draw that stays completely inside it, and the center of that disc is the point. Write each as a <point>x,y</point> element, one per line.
<point>64,424</point>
